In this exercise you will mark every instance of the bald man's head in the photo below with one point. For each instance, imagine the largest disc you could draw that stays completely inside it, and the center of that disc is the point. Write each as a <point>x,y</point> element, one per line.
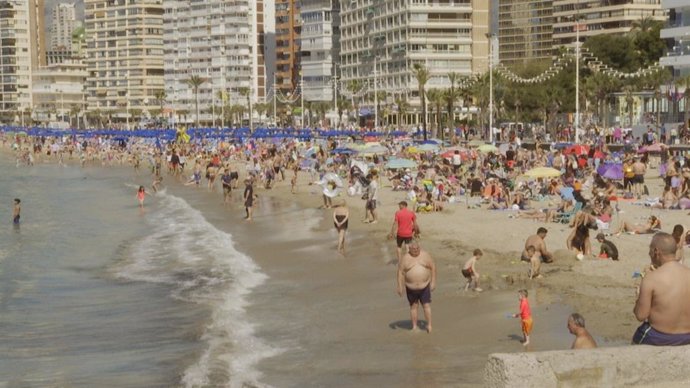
<point>662,248</point>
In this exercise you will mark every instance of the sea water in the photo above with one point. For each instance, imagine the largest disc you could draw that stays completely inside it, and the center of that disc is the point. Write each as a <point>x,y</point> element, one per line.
<point>97,292</point>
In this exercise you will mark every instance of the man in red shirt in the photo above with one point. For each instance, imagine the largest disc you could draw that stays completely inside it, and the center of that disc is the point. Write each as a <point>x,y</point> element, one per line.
<point>405,222</point>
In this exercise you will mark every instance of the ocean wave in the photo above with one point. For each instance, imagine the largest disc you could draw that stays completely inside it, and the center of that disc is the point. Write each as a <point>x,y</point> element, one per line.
<point>203,266</point>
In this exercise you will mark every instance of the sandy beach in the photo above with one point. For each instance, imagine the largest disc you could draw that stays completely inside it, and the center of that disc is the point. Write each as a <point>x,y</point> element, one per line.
<point>341,323</point>
<point>338,321</point>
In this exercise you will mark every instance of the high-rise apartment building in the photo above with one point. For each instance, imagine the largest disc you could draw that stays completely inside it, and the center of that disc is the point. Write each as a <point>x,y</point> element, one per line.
<point>320,45</point>
<point>383,40</point>
<point>64,21</point>
<point>600,17</point>
<point>220,41</point>
<point>678,32</point>
<point>124,51</point>
<point>525,30</point>
<point>288,28</point>
<point>22,49</point>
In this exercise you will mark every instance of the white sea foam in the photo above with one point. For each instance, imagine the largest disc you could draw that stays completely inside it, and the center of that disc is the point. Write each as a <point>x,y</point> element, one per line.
<point>203,266</point>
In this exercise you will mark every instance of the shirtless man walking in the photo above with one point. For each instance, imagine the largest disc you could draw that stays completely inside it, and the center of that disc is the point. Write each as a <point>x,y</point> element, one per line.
<point>663,302</point>
<point>639,170</point>
<point>535,252</point>
<point>417,273</point>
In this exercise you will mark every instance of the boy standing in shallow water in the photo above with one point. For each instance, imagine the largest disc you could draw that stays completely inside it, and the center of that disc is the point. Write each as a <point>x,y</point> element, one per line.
<point>470,272</point>
<point>16,212</point>
<point>525,316</point>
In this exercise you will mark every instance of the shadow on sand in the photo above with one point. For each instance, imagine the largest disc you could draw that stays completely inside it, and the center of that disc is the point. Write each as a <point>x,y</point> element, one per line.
<point>407,325</point>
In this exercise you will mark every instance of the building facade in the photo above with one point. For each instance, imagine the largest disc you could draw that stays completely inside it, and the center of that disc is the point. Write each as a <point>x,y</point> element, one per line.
<point>320,47</point>
<point>124,41</point>
<point>222,42</point>
<point>288,27</point>
<point>22,49</point>
<point>64,22</point>
<point>600,17</point>
<point>383,40</point>
<point>677,33</point>
<point>59,92</point>
<point>525,30</point>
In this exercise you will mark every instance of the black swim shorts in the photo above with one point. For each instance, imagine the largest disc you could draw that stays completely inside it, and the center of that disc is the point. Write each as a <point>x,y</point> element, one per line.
<point>371,204</point>
<point>400,240</point>
<point>423,295</point>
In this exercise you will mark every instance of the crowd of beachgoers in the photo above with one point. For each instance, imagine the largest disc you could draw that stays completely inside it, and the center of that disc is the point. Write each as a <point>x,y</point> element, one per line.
<point>579,184</point>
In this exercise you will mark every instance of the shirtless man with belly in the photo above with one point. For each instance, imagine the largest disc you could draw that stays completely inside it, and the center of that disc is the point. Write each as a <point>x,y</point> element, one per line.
<point>663,303</point>
<point>417,272</point>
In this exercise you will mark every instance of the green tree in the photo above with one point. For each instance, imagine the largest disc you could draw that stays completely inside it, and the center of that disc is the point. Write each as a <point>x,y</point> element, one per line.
<point>195,83</point>
<point>436,99</point>
<point>452,95</point>
<point>246,93</point>
<point>422,76</point>
<point>403,108</point>
<point>685,81</point>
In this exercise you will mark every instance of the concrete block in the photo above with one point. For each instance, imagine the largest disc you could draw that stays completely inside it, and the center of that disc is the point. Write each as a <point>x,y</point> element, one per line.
<point>629,366</point>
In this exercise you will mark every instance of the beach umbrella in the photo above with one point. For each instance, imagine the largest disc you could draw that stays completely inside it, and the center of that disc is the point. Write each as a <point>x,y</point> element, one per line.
<point>428,147</point>
<point>395,164</point>
<point>656,147</point>
<point>345,151</point>
<point>543,172</point>
<point>487,148</point>
<point>612,171</point>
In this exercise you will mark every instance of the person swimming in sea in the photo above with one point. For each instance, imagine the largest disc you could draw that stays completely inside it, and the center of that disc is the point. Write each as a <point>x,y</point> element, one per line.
<point>17,210</point>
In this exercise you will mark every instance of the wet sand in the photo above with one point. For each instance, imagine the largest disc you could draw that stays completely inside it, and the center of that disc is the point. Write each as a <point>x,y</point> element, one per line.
<point>338,318</point>
<point>340,322</point>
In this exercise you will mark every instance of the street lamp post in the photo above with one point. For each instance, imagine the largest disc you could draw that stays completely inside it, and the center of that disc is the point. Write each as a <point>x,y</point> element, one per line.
<point>577,79</point>
<point>301,92</point>
<point>376,94</point>
<point>491,37</point>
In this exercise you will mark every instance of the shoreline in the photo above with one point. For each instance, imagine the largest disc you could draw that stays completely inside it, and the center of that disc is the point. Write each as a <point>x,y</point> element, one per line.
<point>601,290</point>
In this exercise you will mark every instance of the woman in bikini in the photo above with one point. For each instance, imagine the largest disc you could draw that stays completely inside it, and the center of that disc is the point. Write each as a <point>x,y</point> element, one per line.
<point>653,225</point>
<point>341,215</point>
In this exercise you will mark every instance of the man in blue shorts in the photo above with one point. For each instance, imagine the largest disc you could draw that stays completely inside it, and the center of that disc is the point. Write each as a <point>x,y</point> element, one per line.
<point>663,301</point>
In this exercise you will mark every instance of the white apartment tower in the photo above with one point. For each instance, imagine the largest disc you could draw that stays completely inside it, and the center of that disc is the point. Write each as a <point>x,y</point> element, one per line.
<point>124,52</point>
<point>64,21</point>
<point>22,49</point>
<point>320,47</point>
<point>385,39</point>
<point>600,17</point>
<point>678,32</point>
<point>220,41</point>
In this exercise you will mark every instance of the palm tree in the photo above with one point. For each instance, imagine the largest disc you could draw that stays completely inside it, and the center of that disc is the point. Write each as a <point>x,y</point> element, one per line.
<point>195,82</point>
<point>601,85</point>
<point>343,105</point>
<point>354,87</point>
<point>245,92</point>
<point>160,97</point>
<point>381,97</point>
<point>451,96</point>
<point>403,108</point>
<point>421,73</point>
<point>436,98</point>
<point>685,81</point>
<point>654,82</point>
<point>644,24</point>
<point>74,112</point>
<point>629,101</point>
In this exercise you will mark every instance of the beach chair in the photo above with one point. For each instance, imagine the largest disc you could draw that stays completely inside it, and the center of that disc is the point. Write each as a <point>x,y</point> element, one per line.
<point>566,217</point>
